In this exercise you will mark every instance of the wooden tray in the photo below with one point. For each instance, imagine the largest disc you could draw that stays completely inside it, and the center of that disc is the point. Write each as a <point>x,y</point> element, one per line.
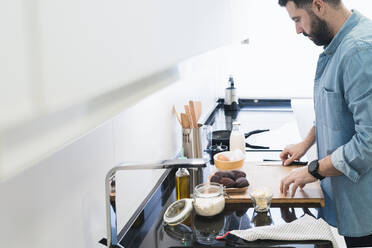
<point>231,190</point>
<point>270,175</point>
<point>235,190</point>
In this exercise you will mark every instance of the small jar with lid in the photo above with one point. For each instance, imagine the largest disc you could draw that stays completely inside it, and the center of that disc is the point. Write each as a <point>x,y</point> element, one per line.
<point>209,199</point>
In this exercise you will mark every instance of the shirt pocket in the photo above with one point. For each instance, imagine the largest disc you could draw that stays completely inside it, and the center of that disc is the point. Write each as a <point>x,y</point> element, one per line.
<point>331,109</point>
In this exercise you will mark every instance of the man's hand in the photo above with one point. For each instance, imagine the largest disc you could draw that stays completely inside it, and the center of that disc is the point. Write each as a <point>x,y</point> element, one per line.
<point>299,177</point>
<point>292,153</point>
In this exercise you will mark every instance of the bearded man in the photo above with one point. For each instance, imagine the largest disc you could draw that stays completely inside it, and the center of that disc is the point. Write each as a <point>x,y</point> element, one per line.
<point>343,111</point>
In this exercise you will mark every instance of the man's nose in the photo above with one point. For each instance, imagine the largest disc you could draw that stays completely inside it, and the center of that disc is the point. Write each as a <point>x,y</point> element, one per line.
<point>299,29</point>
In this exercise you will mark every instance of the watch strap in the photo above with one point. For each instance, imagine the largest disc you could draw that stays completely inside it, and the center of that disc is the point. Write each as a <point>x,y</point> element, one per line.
<point>313,168</point>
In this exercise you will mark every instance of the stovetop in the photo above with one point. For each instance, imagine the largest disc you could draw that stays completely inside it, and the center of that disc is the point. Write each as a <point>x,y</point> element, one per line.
<point>270,118</point>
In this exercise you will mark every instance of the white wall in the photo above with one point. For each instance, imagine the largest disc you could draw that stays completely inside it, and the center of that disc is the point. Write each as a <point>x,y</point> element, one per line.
<point>59,202</point>
<point>88,84</point>
<point>278,63</point>
<point>364,7</point>
<point>67,66</point>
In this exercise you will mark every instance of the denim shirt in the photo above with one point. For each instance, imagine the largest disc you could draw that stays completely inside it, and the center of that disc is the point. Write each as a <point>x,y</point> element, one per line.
<point>343,110</point>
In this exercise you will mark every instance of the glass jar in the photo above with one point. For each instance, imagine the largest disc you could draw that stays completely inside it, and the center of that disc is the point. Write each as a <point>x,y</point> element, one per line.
<point>261,199</point>
<point>209,199</point>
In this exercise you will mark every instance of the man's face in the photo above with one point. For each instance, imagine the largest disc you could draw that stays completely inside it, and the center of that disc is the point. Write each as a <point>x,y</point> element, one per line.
<point>309,24</point>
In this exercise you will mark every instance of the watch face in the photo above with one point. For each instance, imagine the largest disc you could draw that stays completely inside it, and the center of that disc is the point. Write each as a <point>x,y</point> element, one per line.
<point>313,166</point>
<point>313,169</point>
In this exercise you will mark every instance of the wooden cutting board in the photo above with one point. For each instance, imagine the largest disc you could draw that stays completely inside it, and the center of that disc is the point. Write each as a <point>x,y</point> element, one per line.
<point>270,175</point>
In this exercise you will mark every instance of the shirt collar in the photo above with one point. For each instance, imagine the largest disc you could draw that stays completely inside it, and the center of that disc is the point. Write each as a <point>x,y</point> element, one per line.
<point>346,28</point>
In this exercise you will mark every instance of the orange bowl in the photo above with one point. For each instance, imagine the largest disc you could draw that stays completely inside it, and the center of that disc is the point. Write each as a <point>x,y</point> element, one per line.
<point>227,165</point>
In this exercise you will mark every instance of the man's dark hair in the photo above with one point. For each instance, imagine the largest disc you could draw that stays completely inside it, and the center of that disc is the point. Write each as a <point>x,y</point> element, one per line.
<point>303,3</point>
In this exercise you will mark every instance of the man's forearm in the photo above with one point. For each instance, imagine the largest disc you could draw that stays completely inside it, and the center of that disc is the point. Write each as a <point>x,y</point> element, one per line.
<point>326,168</point>
<point>310,138</point>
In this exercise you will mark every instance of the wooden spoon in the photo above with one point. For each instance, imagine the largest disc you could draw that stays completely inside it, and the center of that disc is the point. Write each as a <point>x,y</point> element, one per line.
<point>185,121</point>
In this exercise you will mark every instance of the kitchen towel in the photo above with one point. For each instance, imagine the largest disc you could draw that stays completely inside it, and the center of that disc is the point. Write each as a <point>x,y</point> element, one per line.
<point>304,228</point>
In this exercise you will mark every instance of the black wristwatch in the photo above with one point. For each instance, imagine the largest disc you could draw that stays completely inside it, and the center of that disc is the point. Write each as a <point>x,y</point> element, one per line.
<point>313,168</point>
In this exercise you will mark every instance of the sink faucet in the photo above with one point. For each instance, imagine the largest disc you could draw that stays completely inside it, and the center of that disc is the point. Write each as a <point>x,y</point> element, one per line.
<point>110,183</point>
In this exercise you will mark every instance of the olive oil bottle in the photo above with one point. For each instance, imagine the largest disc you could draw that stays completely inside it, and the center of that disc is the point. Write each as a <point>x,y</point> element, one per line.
<point>182,183</point>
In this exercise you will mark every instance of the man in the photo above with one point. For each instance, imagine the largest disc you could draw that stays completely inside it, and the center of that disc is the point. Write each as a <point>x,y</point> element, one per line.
<point>343,111</point>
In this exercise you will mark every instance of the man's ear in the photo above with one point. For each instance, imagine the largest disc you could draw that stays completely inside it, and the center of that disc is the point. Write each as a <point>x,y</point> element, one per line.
<point>319,7</point>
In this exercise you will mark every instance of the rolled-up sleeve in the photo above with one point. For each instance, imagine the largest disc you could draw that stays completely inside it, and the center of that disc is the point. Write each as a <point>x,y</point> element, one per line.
<point>354,159</point>
<point>339,162</point>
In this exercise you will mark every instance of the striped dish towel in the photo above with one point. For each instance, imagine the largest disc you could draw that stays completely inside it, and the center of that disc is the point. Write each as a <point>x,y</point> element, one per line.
<point>304,228</point>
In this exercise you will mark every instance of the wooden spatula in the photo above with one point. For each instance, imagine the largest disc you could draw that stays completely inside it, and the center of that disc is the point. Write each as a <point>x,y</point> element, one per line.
<point>193,116</point>
<point>185,121</point>
<point>187,110</point>
<point>198,110</point>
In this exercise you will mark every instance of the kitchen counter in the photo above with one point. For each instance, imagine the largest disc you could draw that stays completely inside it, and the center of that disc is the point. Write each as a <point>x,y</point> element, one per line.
<point>146,227</point>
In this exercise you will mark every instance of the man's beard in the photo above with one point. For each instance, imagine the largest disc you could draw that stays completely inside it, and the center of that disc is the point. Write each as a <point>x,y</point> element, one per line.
<point>321,34</point>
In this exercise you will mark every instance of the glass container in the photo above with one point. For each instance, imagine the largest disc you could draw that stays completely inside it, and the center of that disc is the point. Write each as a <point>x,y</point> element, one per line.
<point>261,199</point>
<point>237,138</point>
<point>209,199</point>
<point>182,183</point>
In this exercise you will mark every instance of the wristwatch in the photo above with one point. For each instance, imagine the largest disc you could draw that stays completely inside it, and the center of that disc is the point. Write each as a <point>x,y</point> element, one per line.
<point>313,168</point>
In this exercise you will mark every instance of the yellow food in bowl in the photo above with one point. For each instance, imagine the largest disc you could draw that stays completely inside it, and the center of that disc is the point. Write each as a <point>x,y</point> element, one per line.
<point>222,157</point>
<point>222,162</point>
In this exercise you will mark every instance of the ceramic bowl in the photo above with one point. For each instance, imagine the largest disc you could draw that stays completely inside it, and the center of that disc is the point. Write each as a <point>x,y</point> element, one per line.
<point>227,165</point>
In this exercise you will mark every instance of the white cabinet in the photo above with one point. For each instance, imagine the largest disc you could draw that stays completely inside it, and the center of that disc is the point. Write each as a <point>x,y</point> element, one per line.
<point>89,47</point>
<point>66,52</point>
<point>59,57</point>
